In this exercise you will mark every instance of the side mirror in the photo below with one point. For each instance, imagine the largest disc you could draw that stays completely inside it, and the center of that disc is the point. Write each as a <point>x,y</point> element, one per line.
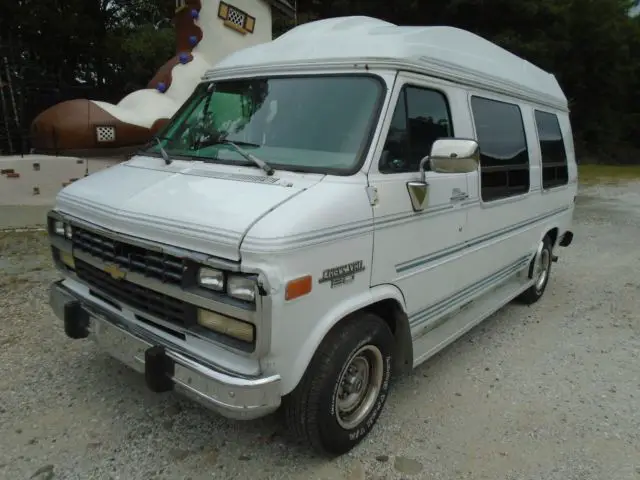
<point>453,155</point>
<point>448,155</point>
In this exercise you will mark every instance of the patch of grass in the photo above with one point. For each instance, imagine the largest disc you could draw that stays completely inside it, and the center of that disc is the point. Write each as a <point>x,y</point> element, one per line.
<point>20,244</point>
<point>608,174</point>
<point>13,282</point>
<point>10,234</point>
<point>9,341</point>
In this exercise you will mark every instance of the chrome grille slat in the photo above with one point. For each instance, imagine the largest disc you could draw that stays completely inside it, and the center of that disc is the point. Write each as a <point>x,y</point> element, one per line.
<point>144,300</point>
<point>150,263</point>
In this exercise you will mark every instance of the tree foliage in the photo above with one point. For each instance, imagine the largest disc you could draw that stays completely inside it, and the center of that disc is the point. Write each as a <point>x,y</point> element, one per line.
<point>592,46</point>
<point>95,42</point>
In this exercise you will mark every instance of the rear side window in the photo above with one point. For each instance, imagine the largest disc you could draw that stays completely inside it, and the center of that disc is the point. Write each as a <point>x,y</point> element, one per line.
<point>554,156</point>
<point>504,157</point>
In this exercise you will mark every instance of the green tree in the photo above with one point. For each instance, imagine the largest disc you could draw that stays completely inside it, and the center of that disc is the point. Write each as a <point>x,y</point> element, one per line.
<point>592,46</point>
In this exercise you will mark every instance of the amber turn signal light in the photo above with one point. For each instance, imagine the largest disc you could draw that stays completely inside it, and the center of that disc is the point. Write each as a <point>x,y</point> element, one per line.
<point>298,287</point>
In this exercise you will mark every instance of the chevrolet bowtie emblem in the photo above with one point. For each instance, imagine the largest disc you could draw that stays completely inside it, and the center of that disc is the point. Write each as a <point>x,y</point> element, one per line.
<point>115,272</point>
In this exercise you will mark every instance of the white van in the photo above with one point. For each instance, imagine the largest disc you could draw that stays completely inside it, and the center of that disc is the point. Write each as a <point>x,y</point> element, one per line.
<point>327,211</point>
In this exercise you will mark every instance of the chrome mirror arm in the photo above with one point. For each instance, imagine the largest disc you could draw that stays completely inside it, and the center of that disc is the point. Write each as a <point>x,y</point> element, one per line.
<point>423,164</point>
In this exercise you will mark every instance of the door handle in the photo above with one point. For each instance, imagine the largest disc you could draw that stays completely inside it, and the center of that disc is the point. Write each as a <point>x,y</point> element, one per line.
<point>458,195</point>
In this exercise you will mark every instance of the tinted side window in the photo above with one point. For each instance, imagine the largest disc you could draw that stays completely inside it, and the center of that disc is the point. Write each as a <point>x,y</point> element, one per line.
<point>504,157</point>
<point>554,155</point>
<point>421,117</point>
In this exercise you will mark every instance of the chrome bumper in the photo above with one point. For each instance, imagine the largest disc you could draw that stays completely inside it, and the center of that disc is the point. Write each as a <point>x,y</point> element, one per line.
<point>164,367</point>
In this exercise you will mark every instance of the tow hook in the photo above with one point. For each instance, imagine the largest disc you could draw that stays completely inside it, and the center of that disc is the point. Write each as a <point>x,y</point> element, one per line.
<point>76,320</point>
<point>158,369</point>
<point>554,258</point>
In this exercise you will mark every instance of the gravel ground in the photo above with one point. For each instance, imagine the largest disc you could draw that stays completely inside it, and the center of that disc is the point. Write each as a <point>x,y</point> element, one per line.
<point>549,392</point>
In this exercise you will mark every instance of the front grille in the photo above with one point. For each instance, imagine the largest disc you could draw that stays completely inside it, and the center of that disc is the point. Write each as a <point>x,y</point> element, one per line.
<point>158,265</point>
<point>143,299</point>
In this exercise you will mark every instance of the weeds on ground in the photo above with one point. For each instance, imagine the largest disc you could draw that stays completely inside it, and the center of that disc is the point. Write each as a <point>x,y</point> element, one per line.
<point>23,243</point>
<point>607,174</point>
<point>25,258</point>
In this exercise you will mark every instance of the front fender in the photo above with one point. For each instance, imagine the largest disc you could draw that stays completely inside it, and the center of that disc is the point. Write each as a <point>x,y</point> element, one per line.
<point>329,320</point>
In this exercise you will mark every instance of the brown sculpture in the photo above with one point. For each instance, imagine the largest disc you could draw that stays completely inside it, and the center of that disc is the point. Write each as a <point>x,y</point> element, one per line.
<point>91,128</point>
<point>82,126</point>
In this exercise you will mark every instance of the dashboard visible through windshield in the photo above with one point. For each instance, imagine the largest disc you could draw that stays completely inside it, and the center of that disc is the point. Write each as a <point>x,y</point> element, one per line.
<point>319,123</point>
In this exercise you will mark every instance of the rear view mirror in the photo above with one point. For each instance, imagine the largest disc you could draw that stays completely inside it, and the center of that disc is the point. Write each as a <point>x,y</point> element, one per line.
<point>454,155</point>
<point>448,155</point>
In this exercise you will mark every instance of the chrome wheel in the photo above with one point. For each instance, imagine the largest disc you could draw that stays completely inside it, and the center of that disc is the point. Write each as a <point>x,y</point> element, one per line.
<point>359,386</point>
<point>543,263</point>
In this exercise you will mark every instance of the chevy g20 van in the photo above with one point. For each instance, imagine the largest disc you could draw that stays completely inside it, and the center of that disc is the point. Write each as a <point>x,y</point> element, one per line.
<point>327,211</point>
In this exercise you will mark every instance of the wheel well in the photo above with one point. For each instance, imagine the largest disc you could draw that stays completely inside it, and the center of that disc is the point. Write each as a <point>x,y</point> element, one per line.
<point>393,315</point>
<point>553,236</point>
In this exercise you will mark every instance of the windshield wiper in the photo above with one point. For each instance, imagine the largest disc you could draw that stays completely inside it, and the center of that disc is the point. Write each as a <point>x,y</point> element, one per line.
<point>236,145</point>
<point>163,152</point>
<point>240,143</point>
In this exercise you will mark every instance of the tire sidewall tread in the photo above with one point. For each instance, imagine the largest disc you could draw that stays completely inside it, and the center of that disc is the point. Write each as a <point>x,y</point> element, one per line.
<point>532,295</point>
<point>310,408</point>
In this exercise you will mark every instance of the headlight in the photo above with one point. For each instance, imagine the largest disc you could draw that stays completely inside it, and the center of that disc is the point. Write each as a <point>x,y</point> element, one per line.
<point>62,229</point>
<point>241,287</point>
<point>212,279</point>
<point>226,325</point>
<point>58,228</point>
<point>237,286</point>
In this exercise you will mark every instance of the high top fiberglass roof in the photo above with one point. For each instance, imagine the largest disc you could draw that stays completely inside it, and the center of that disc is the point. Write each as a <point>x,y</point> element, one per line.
<point>445,52</point>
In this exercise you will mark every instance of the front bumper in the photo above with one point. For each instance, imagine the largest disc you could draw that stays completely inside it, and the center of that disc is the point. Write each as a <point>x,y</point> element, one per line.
<point>164,366</point>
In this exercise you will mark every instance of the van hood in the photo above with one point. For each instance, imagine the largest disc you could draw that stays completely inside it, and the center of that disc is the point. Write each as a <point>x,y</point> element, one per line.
<point>206,208</point>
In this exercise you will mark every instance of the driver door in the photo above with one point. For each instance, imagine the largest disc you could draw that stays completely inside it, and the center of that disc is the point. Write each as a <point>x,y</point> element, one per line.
<point>418,251</point>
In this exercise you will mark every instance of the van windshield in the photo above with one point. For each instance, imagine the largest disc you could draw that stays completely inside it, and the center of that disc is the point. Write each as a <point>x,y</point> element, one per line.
<point>320,123</point>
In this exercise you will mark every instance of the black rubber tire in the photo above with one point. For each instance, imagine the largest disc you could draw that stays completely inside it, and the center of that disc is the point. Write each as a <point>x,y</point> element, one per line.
<point>533,294</point>
<point>310,409</point>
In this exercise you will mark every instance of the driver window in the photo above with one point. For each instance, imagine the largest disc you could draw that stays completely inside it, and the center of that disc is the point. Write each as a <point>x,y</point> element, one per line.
<point>421,117</point>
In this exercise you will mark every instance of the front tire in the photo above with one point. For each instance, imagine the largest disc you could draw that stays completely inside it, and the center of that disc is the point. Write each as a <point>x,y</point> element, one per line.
<point>345,386</point>
<point>540,273</point>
